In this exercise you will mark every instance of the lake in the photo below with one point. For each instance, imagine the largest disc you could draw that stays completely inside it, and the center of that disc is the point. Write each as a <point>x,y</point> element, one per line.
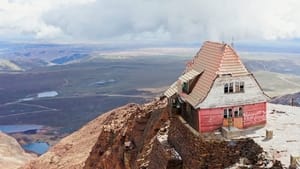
<point>37,147</point>
<point>19,128</point>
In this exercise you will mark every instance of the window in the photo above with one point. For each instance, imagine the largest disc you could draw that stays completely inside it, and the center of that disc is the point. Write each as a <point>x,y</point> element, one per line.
<point>174,103</point>
<point>240,111</point>
<point>227,113</point>
<point>185,87</point>
<point>237,87</point>
<point>231,87</point>
<point>234,87</point>
<point>230,113</point>
<point>236,113</point>
<point>233,112</point>
<point>242,87</point>
<point>226,89</point>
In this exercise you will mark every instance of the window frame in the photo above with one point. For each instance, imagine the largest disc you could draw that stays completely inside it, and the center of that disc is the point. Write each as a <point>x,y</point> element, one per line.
<point>233,112</point>
<point>185,87</point>
<point>228,113</point>
<point>242,87</point>
<point>231,88</point>
<point>226,88</point>
<point>241,112</point>
<point>225,115</point>
<point>234,87</point>
<point>237,87</point>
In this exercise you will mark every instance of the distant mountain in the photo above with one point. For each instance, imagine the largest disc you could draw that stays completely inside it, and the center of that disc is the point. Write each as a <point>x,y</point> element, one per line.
<point>285,66</point>
<point>7,65</point>
<point>29,63</point>
<point>68,59</point>
<point>58,53</point>
<point>289,99</point>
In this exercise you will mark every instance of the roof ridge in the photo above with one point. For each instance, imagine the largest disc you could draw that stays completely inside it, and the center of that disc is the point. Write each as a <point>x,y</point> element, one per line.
<point>219,43</point>
<point>222,57</point>
<point>239,58</point>
<point>228,48</point>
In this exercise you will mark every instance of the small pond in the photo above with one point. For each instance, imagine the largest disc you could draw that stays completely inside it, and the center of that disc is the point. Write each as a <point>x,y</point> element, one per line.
<point>47,94</point>
<point>37,147</point>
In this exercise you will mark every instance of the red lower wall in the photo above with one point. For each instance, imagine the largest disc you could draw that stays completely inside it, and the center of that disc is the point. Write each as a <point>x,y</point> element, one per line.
<point>255,114</point>
<point>212,119</point>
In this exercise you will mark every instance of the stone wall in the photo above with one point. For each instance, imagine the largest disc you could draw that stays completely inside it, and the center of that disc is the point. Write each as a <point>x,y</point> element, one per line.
<point>199,153</point>
<point>162,159</point>
<point>185,141</point>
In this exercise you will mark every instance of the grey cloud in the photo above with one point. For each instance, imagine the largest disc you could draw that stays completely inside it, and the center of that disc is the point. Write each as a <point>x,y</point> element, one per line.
<point>175,20</point>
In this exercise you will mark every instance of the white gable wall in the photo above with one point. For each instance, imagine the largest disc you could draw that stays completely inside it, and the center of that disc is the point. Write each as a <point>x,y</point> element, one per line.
<point>217,98</point>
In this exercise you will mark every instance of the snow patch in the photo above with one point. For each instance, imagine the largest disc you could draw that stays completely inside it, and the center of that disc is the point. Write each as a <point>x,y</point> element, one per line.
<point>284,121</point>
<point>47,94</point>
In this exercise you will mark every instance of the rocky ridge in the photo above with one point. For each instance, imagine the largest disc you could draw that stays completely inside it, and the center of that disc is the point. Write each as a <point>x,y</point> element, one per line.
<point>147,137</point>
<point>12,155</point>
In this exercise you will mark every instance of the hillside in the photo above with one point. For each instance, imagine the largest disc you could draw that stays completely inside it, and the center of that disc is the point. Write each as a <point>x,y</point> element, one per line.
<point>72,151</point>
<point>289,99</point>
<point>6,65</point>
<point>143,136</point>
<point>11,153</point>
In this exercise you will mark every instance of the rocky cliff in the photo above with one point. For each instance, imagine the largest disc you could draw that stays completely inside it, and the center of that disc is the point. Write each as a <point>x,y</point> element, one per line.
<point>146,137</point>
<point>12,155</point>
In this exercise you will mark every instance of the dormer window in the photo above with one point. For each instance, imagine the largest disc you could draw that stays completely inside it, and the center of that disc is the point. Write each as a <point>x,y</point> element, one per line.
<point>228,88</point>
<point>188,81</point>
<point>234,87</point>
<point>185,87</point>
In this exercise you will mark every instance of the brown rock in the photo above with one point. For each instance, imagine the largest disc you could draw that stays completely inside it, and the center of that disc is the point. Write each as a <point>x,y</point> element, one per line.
<point>12,155</point>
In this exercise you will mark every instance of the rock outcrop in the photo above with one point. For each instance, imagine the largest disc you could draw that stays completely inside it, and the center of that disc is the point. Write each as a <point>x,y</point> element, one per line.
<point>12,155</point>
<point>124,142</point>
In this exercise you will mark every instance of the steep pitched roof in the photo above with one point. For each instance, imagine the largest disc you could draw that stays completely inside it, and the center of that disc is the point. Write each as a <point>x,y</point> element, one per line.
<point>189,75</point>
<point>171,90</point>
<point>213,59</point>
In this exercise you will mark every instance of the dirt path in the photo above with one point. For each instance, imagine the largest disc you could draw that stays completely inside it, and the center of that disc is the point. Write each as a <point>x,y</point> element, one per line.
<point>38,106</point>
<point>33,112</point>
<point>45,108</point>
<point>124,95</point>
<point>289,81</point>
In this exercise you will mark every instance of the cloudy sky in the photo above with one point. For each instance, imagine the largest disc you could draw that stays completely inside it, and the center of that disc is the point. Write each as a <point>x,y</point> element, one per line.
<point>149,20</point>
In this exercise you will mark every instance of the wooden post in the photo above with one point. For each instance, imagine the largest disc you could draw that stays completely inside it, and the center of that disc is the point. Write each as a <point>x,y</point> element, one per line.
<point>294,162</point>
<point>230,123</point>
<point>269,134</point>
